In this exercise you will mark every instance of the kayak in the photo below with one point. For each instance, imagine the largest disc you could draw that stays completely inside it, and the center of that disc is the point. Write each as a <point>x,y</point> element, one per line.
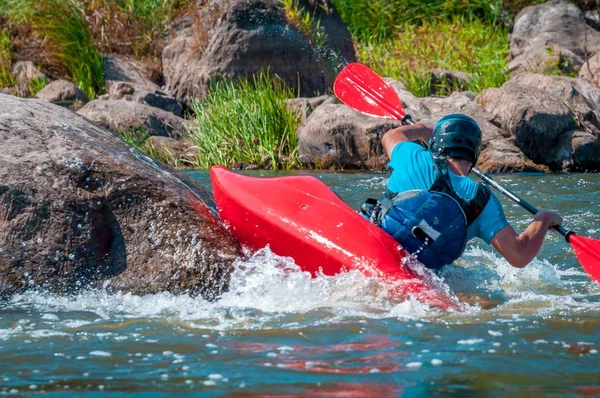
<point>302,218</point>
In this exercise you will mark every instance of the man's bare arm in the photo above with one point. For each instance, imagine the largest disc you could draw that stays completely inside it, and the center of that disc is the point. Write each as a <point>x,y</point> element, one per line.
<point>408,133</point>
<point>519,250</point>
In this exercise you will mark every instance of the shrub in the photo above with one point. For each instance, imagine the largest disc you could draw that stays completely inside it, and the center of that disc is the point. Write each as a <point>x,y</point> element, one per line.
<point>6,79</point>
<point>63,24</point>
<point>470,46</point>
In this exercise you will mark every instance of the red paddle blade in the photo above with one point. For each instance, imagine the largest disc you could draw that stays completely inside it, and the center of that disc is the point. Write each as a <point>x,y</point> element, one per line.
<point>587,251</point>
<point>364,90</point>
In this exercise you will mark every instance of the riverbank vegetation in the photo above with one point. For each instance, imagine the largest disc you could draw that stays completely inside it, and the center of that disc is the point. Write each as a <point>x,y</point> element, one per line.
<point>246,121</point>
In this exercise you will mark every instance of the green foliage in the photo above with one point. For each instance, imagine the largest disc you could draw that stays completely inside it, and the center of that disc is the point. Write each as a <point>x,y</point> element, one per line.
<point>36,85</point>
<point>6,79</point>
<point>383,19</point>
<point>305,22</point>
<point>63,24</point>
<point>469,46</point>
<point>246,121</point>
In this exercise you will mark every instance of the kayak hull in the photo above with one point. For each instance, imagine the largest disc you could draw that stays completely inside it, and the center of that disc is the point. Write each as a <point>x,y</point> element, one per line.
<point>300,217</point>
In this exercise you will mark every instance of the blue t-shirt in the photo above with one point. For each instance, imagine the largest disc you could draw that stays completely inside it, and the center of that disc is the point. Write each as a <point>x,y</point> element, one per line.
<point>413,168</point>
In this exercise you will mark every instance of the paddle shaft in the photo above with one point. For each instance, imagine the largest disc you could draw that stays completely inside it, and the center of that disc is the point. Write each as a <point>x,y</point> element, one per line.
<point>506,192</point>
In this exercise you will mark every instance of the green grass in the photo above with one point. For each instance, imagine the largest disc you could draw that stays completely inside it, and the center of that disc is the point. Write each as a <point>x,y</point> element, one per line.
<point>6,79</point>
<point>305,22</point>
<point>376,20</point>
<point>36,85</point>
<point>62,23</point>
<point>470,46</point>
<point>246,121</point>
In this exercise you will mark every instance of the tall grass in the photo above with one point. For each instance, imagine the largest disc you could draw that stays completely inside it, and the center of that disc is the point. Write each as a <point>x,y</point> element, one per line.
<point>62,23</point>
<point>470,46</point>
<point>305,22</point>
<point>6,79</point>
<point>383,19</point>
<point>246,121</point>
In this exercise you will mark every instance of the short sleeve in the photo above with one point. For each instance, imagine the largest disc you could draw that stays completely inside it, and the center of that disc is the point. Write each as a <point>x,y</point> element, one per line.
<point>490,221</point>
<point>412,168</point>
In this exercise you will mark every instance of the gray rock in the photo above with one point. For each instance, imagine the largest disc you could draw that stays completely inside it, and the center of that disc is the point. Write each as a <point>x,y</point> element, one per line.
<point>241,38</point>
<point>117,70</point>
<point>553,119</point>
<point>305,106</point>
<point>550,36</point>
<point>180,152</point>
<point>157,99</point>
<point>63,93</point>
<point>25,71</point>
<point>127,115</point>
<point>335,136</point>
<point>448,80</point>
<point>81,209</point>
<point>590,70</point>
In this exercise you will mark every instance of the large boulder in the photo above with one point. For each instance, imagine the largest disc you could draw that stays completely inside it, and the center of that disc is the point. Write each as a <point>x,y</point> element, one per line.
<point>240,38</point>
<point>80,209</point>
<point>554,120</point>
<point>337,136</point>
<point>551,36</point>
<point>121,115</point>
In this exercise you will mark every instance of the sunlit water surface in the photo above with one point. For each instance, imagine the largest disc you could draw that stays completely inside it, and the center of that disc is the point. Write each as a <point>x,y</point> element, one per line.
<point>529,332</point>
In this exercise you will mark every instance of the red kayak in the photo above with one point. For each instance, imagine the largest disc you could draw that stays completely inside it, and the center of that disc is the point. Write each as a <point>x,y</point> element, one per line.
<point>300,217</point>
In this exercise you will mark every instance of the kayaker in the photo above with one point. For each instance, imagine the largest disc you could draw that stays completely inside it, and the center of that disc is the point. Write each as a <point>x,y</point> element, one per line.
<point>433,208</point>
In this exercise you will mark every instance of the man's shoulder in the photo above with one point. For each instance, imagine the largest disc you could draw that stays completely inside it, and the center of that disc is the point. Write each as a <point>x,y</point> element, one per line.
<point>409,152</point>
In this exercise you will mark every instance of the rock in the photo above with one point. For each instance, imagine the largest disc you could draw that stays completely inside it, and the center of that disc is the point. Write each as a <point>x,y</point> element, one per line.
<point>81,209</point>
<point>339,137</point>
<point>553,35</point>
<point>581,96</point>
<point>550,119</point>
<point>241,38</point>
<point>157,99</point>
<point>590,70</point>
<point>126,115</point>
<point>176,152</point>
<point>63,93</point>
<point>117,70</point>
<point>443,80</point>
<point>305,106</point>
<point>499,154</point>
<point>25,71</point>
<point>592,18</point>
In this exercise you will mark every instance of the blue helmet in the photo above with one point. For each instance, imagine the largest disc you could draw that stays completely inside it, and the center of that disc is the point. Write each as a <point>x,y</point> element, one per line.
<point>456,136</point>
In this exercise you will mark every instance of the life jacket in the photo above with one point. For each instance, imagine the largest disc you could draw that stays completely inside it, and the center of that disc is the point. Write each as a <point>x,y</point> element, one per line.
<point>430,224</point>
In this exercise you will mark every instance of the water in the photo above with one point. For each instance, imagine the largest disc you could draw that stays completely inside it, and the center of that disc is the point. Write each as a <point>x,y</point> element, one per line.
<point>529,332</point>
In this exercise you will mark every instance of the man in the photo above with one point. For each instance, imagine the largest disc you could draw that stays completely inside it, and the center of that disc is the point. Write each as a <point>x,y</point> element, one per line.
<point>432,208</point>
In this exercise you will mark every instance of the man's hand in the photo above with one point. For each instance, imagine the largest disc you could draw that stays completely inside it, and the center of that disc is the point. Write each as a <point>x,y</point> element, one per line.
<point>549,218</point>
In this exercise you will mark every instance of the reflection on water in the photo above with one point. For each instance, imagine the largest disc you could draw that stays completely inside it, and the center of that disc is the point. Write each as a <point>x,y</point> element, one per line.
<point>278,332</point>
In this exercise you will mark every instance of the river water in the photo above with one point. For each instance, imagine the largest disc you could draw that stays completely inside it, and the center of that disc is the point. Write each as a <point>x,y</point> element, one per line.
<point>277,332</point>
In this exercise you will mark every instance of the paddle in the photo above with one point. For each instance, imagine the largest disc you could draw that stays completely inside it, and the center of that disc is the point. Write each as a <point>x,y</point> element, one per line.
<point>365,91</point>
